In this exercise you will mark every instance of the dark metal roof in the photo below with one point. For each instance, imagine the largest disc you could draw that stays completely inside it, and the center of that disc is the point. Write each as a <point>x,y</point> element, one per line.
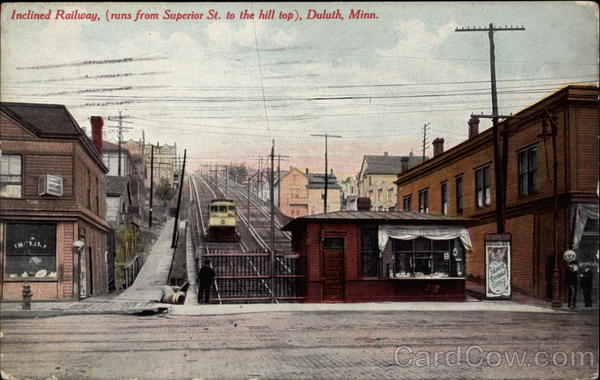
<point>390,164</point>
<point>51,121</point>
<point>317,181</point>
<point>397,217</point>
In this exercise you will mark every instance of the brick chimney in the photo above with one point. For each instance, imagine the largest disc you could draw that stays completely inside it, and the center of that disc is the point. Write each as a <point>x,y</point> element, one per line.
<point>97,124</point>
<point>363,204</point>
<point>438,146</point>
<point>306,170</point>
<point>473,126</point>
<point>385,154</point>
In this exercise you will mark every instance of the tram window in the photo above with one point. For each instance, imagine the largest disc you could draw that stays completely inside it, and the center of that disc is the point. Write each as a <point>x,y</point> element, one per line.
<point>214,208</point>
<point>222,208</point>
<point>231,208</point>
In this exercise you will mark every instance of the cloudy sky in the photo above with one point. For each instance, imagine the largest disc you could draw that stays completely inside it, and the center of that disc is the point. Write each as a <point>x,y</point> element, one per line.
<point>224,88</point>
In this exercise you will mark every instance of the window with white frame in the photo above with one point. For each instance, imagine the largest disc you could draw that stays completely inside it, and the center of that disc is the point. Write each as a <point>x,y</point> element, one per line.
<point>11,178</point>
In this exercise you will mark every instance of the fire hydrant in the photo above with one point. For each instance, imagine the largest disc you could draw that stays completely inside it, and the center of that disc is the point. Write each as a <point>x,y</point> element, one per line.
<point>26,296</point>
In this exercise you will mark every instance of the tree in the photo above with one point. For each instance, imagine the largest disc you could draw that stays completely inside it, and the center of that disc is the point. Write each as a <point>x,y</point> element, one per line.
<point>238,172</point>
<point>164,191</point>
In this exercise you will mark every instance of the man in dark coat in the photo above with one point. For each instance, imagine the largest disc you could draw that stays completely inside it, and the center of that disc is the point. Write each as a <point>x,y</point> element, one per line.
<point>587,279</point>
<point>206,278</point>
<point>572,283</point>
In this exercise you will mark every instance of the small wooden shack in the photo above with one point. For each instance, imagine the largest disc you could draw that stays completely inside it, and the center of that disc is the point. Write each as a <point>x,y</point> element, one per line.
<point>369,256</point>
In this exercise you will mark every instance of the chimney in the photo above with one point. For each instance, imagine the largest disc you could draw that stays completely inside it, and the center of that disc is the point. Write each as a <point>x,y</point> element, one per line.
<point>97,124</point>
<point>331,172</point>
<point>306,170</point>
<point>473,126</point>
<point>385,154</point>
<point>363,204</point>
<point>438,146</point>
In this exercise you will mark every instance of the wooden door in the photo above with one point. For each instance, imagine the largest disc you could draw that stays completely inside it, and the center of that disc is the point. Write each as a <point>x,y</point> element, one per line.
<point>333,269</point>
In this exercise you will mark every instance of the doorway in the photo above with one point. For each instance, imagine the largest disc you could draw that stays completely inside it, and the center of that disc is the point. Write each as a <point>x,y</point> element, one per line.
<point>333,269</point>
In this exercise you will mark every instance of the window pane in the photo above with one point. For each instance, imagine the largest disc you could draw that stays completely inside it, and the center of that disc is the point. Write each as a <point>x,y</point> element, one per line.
<point>422,244</point>
<point>441,266</point>
<point>403,245</point>
<point>31,266</point>
<point>422,266</point>
<point>441,245</point>
<point>11,164</point>
<point>370,252</point>
<point>403,263</point>
<point>334,243</point>
<point>30,250</point>
<point>533,159</point>
<point>10,191</point>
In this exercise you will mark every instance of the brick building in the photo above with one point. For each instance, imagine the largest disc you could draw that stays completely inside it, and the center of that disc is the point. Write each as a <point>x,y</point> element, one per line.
<point>368,256</point>
<point>53,231</point>
<point>460,181</point>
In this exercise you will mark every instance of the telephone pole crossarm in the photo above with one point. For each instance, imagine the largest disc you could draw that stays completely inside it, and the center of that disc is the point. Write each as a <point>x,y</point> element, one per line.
<point>326,135</point>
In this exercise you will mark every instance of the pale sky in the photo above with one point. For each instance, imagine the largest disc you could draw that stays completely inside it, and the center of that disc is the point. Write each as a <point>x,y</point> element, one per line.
<point>224,89</point>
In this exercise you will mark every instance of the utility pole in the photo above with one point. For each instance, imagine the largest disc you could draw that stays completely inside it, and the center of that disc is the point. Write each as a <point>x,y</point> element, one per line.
<point>271,196</point>
<point>176,226</point>
<point>498,176</point>
<point>226,178</point>
<point>120,129</point>
<point>151,184</point>
<point>326,135</point>
<point>425,139</point>
<point>552,133</point>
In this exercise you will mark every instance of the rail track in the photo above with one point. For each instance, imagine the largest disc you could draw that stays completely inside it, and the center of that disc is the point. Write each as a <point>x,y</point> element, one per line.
<point>243,268</point>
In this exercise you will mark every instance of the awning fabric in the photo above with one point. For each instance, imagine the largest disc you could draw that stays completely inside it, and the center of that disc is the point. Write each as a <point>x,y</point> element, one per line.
<point>391,231</point>
<point>583,212</point>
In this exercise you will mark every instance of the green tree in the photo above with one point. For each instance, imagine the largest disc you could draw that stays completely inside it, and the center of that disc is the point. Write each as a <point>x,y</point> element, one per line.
<point>238,172</point>
<point>164,191</point>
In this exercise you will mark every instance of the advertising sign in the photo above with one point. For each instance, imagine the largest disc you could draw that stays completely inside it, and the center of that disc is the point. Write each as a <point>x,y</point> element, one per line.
<point>497,266</point>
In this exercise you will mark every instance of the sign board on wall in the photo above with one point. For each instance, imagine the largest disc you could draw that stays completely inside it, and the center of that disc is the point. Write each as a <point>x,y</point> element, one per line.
<point>50,184</point>
<point>497,266</point>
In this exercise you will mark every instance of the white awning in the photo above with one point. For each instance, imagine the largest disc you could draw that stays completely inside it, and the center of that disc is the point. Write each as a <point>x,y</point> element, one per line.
<point>583,212</point>
<point>392,231</point>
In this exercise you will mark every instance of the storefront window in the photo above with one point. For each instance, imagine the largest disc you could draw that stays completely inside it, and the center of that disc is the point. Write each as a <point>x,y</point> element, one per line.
<point>424,257</point>
<point>30,250</point>
<point>370,252</point>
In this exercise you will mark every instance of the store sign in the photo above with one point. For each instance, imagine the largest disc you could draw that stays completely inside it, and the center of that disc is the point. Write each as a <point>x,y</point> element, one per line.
<point>497,266</point>
<point>50,184</point>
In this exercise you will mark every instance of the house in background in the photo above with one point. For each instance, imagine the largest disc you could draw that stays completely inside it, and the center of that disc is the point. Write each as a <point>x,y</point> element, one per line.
<point>302,193</point>
<point>377,175</point>
<point>460,182</point>
<point>52,205</point>
<point>349,193</point>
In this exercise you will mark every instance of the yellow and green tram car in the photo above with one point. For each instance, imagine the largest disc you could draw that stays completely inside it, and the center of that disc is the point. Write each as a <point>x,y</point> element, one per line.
<point>222,221</point>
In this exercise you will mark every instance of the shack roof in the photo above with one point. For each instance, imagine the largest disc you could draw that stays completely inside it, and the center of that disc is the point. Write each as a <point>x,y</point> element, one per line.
<point>377,217</point>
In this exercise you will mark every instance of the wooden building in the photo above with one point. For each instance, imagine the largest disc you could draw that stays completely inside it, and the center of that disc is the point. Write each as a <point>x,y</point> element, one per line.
<point>53,231</point>
<point>460,182</point>
<point>368,256</point>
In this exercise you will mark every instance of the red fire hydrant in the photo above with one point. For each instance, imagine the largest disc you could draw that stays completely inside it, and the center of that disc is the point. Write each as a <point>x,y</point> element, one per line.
<point>26,296</point>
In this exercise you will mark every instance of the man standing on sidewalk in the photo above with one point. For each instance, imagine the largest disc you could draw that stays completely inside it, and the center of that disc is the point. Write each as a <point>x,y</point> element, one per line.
<point>572,283</point>
<point>205,281</point>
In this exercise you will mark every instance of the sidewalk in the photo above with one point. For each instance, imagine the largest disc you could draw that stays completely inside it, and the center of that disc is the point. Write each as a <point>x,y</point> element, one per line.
<point>43,309</point>
<point>213,309</point>
<point>154,274</point>
<point>477,290</point>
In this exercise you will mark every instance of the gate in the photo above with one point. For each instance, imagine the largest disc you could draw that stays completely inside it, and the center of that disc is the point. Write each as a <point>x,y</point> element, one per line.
<point>246,277</point>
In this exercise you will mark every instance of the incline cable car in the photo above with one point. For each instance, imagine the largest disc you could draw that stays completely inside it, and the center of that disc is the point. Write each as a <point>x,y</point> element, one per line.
<point>222,221</point>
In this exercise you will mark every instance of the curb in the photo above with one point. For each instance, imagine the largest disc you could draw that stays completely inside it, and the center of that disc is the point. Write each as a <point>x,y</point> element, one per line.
<point>23,314</point>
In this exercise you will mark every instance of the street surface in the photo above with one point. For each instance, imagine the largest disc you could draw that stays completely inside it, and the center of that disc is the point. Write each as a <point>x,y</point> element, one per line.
<point>310,344</point>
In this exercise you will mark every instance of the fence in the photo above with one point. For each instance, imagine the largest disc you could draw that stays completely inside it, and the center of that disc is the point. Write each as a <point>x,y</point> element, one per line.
<point>132,269</point>
<point>246,277</point>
